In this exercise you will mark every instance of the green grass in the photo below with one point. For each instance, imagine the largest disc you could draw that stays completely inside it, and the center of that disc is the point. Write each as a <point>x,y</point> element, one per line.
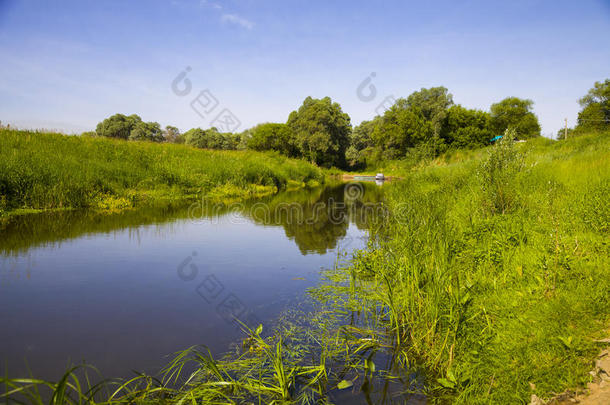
<point>499,269</point>
<point>41,171</point>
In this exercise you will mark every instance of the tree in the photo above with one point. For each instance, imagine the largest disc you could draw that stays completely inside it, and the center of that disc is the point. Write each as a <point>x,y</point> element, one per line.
<point>360,141</point>
<point>241,140</point>
<point>466,128</point>
<point>117,126</point>
<point>414,122</point>
<point>172,134</point>
<point>561,134</point>
<point>146,131</point>
<point>514,113</point>
<point>433,103</point>
<point>129,127</point>
<point>401,127</point>
<point>271,136</point>
<point>595,113</point>
<point>321,131</point>
<point>230,141</point>
<point>215,139</point>
<point>196,137</point>
<point>210,139</point>
<point>361,135</point>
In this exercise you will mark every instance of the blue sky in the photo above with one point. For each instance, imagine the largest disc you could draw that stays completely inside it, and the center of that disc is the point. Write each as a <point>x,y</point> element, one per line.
<point>69,64</point>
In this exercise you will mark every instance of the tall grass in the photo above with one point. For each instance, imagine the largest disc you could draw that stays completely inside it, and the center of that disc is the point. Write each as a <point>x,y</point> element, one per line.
<point>48,170</point>
<point>494,272</point>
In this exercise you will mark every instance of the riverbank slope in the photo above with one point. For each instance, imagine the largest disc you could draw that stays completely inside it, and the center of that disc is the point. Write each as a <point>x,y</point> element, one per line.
<point>500,269</point>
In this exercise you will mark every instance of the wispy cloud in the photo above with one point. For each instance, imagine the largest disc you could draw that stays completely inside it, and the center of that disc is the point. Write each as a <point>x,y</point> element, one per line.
<point>207,3</point>
<point>235,19</point>
<point>225,16</point>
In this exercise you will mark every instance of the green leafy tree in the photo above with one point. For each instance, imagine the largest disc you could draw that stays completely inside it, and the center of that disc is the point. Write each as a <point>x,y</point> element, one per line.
<point>466,128</point>
<point>402,127</point>
<point>210,139</point>
<point>321,131</point>
<point>353,156</point>
<point>514,113</point>
<point>215,139</point>
<point>230,141</point>
<point>414,122</point>
<point>172,134</point>
<point>241,140</point>
<point>196,137</point>
<point>561,134</point>
<point>361,143</point>
<point>361,135</point>
<point>595,113</point>
<point>271,136</point>
<point>146,131</point>
<point>433,103</point>
<point>118,126</point>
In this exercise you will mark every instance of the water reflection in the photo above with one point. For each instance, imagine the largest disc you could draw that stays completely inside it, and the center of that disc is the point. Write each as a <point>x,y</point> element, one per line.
<point>314,219</point>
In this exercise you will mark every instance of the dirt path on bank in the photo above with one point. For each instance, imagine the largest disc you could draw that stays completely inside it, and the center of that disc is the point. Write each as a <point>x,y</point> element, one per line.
<point>598,391</point>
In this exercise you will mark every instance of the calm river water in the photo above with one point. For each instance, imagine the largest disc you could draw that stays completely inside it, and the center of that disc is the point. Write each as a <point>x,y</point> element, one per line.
<point>123,291</point>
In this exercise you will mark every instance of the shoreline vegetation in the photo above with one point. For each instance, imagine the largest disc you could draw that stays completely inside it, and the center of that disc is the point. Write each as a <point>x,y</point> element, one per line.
<point>49,171</point>
<point>498,267</point>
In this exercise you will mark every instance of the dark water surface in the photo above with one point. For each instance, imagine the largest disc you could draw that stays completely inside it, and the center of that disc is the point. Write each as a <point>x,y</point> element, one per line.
<point>123,291</point>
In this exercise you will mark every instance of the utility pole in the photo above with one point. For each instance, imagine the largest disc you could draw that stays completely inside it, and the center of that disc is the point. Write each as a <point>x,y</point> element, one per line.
<point>565,134</point>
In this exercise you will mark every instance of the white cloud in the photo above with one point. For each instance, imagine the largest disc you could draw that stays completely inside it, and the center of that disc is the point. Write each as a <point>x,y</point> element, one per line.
<point>227,17</point>
<point>235,19</point>
<point>210,4</point>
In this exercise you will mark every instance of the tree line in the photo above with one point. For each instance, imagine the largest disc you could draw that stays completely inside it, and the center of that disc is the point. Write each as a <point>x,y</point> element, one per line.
<point>427,122</point>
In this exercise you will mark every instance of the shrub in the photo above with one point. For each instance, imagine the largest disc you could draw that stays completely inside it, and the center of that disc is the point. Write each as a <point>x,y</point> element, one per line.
<point>498,174</point>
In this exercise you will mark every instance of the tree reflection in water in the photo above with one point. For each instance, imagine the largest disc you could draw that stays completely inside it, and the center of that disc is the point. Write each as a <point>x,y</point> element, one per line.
<point>316,219</point>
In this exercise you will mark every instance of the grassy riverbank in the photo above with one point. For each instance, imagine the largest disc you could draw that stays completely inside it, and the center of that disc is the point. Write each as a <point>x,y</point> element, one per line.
<point>495,271</point>
<point>41,171</point>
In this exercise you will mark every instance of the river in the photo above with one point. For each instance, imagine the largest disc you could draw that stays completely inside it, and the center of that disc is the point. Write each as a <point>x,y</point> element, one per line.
<point>124,291</point>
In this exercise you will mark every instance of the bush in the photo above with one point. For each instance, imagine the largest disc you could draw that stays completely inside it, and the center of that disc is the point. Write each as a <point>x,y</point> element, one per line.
<point>498,173</point>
